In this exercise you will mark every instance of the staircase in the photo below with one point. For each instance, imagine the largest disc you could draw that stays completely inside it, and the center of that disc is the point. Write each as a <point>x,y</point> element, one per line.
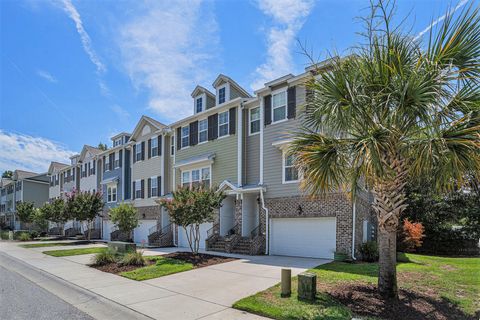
<point>218,245</point>
<point>234,243</point>
<point>118,235</point>
<point>94,234</point>
<point>160,237</point>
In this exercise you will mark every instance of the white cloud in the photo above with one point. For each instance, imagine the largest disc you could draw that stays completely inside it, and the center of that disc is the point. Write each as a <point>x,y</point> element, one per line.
<point>166,49</point>
<point>119,111</point>
<point>288,18</point>
<point>434,23</point>
<point>84,37</point>
<point>47,76</point>
<point>30,153</point>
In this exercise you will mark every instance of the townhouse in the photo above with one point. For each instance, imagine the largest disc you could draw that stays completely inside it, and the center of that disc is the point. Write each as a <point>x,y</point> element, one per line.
<point>24,186</point>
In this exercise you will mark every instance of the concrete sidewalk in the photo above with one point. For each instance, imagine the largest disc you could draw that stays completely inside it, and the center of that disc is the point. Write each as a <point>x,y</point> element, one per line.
<point>137,296</point>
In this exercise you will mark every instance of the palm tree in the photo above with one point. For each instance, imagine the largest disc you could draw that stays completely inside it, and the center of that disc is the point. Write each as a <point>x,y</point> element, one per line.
<point>393,111</point>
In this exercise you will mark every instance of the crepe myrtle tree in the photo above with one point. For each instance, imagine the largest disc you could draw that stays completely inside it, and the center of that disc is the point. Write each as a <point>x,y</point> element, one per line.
<point>84,206</point>
<point>398,109</point>
<point>124,217</point>
<point>55,211</point>
<point>189,207</point>
<point>25,211</point>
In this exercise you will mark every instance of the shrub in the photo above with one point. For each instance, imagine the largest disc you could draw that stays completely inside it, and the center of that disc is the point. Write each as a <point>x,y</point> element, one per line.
<point>369,251</point>
<point>411,235</point>
<point>33,234</point>
<point>133,259</point>
<point>105,257</point>
<point>24,236</point>
<point>4,235</point>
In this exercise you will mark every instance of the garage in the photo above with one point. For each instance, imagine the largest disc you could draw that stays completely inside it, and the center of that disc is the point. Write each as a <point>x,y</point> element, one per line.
<point>303,237</point>
<point>182,237</point>
<point>140,233</point>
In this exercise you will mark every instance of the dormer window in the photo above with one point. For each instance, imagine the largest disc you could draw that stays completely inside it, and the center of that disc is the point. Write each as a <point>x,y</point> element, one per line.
<point>221,95</point>
<point>199,104</point>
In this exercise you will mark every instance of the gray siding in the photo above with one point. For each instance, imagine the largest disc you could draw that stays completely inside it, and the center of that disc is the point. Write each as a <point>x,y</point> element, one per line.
<point>167,172</point>
<point>272,159</point>
<point>115,173</point>
<point>210,102</point>
<point>251,154</point>
<point>35,192</point>
<point>234,92</point>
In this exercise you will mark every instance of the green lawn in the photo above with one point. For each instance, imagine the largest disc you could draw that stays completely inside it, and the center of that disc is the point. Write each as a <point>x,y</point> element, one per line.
<point>74,252</point>
<point>52,244</point>
<point>162,267</point>
<point>456,280</point>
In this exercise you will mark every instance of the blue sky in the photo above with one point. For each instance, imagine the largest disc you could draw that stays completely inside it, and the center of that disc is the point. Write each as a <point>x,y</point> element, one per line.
<point>78,72</point>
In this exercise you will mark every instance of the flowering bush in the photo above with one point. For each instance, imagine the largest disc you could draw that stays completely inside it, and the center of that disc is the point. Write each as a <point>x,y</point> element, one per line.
<point>411,235</point>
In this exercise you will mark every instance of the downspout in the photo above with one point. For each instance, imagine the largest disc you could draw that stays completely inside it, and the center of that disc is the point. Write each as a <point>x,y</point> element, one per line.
<point>240,146</point>
<point>354,214</point>
<point>267,224</point>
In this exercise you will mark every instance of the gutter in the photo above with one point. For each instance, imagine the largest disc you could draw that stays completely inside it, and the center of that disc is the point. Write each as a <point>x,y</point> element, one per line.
<point>267,224</point>
<point>354,215</point>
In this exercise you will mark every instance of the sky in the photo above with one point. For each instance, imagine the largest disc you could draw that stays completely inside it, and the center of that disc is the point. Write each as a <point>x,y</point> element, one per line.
<point>79,72</point>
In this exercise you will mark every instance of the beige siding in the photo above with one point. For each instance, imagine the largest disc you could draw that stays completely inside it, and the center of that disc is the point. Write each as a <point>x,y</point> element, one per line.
<point>224,166</point>
<point>251,154</point>
<point>234,93</point>
<point>210,102</point>
<point>272,165</point>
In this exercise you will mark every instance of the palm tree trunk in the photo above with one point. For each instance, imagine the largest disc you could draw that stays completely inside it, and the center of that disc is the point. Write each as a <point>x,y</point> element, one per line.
<point>389,198</point>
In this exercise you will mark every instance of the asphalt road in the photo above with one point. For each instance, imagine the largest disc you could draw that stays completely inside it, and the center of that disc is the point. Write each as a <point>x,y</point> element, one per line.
<point>22,299</point>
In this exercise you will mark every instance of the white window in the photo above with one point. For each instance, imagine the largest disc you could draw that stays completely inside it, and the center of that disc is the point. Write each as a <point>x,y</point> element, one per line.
<point>186,178</point>
<point>221,95</point>
<point>153,186</point>
<point>206,177</point>
<point>202,130</point>
<point>195,177</point>
<point>112,193</point>
<point>254,120</point>
<point>116,163</point>
<point>138,151</point>
<point>199,104</point>
<point>154,147</point>
<point>185,136</point>
<point>223,124</point>
<point>290,172</point>
<point>117,142</point>
<point>107,163</point>
<point>279,106</point>
<point>172,145</point>
<point>138,189</point>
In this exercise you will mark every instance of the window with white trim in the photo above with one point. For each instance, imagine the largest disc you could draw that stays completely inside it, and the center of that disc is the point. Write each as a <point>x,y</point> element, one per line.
<point>138,189</point>
<point>185,136</point>
<point>107,163</point>
<point>185,178</point>
<point>199,104</point>
<point>138,151</point>
<point>172,145</point>
<point>112,193</point>
<point>196,177</point>
<point>279,106</point>
<point>223,123</point>
<point>290,172</point>
<point>254,120</point>
<point>202,130</point>
<point>222,95</point>
<point>153,186</point>
<point>206,177</point>
<point>116,163</point>
<point>154,147</point>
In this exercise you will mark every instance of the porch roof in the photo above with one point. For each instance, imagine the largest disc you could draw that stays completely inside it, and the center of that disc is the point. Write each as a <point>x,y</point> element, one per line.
<point>235,188</point>
<point>109,180</point>
<point>209,157</point>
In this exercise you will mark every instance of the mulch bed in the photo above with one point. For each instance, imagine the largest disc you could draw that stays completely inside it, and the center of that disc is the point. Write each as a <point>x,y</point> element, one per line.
<point>199,261</point>
<point>364,300</point>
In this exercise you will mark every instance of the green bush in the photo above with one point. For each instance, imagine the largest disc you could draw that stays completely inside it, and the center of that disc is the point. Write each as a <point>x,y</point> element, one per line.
<point>33,234</point>
<point>133,259</point>
<point>369,251</point>
<point>105,257</point>
<point>4,235</point>
<point>24,236</point>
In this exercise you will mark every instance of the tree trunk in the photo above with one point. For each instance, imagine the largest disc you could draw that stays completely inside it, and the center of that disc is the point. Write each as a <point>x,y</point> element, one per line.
<point>387,264</point>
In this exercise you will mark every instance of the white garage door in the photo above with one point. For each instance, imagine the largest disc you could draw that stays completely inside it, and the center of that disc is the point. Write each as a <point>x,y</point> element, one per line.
<point>141,232</point>
<point>303,237</point>
<point>182,237</point>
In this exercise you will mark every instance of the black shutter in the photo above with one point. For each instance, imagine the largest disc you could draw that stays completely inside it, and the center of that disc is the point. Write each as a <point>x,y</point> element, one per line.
<point>89,172</point>
<point>120,154</point>
<point>149,190</point>
<point>93,169</point>
<point>104,168</point>
<point>213,127</point>
<point>134,153</point>
<point>179,138</point>
<point>159,143</point>
<point>111,158</point>
<point>133,190</point>
<point>142,188</point>
<point>159,183</point>
<point>232,121</point>
<point>149,148</point>
<point>193,133</point>
<point>143,150</point>
<point>267,114</point>
<point>292,103</point>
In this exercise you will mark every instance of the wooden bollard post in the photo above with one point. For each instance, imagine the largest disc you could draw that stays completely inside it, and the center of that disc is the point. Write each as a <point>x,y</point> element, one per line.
<point>286,283</point>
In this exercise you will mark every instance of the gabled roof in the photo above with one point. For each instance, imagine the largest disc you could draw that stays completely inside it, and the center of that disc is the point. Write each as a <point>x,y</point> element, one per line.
<point>199,89</point>
<point>21,174</point>
<point>146,120</point>
<point>121,134</point>
<point>86,148</point>
<point>232,82</point>
<point>56,166</point>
